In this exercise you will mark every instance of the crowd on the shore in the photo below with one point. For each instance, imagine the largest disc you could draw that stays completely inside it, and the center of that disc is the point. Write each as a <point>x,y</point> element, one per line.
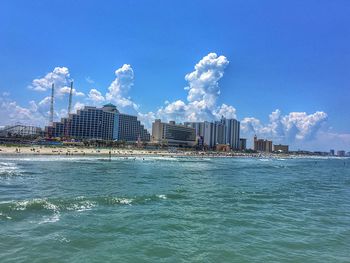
<point>82,151</point>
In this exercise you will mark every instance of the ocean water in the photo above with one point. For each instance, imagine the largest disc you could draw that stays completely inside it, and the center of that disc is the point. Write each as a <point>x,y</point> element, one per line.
<point>153,209</point>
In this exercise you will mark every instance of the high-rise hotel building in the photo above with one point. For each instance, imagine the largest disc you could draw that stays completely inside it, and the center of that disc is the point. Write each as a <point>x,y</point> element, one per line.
<point>225,131</point>
<point>105,123</point>
<point>172,134</point>
<point>262,145</point>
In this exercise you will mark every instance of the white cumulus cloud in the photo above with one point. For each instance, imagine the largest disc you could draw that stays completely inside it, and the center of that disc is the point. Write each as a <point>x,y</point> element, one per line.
<point>202,94</point>
<point>77,106</point>
<point>60,76</point>
<point>66,90</point>
<point>146,118</point>
<point>11,112</point>
<point>287,128</point>
<point>204,80</point>
<point>96,96</point>
<point>120,86</point>
<point>89,80</point>
<point>226,111</point>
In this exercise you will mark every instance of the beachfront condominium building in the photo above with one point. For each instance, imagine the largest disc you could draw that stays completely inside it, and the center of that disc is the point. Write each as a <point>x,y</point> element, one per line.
<point>262,145</point>
<point>341,153</point>
<point>232,132</point>
<point>242,144</point>
<point>199,127</point>
<point>128,128</point>
<point>281,148</point>
<point>105,123</point>
<point>173,134</point>
<point>225,131</point>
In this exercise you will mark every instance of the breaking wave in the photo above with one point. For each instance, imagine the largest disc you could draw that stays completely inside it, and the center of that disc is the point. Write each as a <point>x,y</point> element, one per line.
<point>51,208</point>
<point>8,169</point>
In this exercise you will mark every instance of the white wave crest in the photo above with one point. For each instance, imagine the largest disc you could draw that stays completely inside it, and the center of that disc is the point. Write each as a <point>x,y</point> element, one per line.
<point>5,216</point>
<point>9,169</point>
<point>50,219</point>
<point>82,206</point>
<point>162,196</point>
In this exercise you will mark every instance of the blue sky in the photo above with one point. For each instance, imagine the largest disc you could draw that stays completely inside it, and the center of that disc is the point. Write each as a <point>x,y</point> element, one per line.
<point>293,56</point>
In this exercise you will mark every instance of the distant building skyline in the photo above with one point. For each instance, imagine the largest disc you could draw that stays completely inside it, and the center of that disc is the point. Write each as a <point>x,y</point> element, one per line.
<point>86,124</point>
<point>225,131</point>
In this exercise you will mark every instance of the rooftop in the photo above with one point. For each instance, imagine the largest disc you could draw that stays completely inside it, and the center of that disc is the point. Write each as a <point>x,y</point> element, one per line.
<point>109,105</point>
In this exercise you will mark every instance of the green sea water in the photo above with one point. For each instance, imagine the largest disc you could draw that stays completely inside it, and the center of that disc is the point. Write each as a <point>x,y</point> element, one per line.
<point>153,209</point>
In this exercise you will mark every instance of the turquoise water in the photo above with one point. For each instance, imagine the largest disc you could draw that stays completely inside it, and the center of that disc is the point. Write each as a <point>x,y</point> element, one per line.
<point>174,210</point>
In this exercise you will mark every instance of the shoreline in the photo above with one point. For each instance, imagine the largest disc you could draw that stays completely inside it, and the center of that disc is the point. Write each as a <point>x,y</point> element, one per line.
<point>106,152</point>
<point>118,152</point>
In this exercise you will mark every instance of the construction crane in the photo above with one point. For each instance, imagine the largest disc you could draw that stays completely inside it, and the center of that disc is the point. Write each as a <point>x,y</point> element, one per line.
<point>50,126</point>
<point>70,98</point>
<point>51,105</point>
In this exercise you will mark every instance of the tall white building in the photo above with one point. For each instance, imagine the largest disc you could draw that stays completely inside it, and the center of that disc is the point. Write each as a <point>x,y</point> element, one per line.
<point>209,134</point>
<point>232,132</point>
<point>225,131</point>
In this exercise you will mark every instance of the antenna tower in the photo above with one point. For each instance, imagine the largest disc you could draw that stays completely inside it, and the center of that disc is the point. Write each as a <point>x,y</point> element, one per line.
<point>51,105</point>
<point>67,124</point>
<point>70,98</point>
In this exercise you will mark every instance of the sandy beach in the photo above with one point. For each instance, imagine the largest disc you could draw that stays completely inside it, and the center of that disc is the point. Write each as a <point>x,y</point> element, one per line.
<point>81,151</point>
<point>43,150</point>
<point>90,151</point>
